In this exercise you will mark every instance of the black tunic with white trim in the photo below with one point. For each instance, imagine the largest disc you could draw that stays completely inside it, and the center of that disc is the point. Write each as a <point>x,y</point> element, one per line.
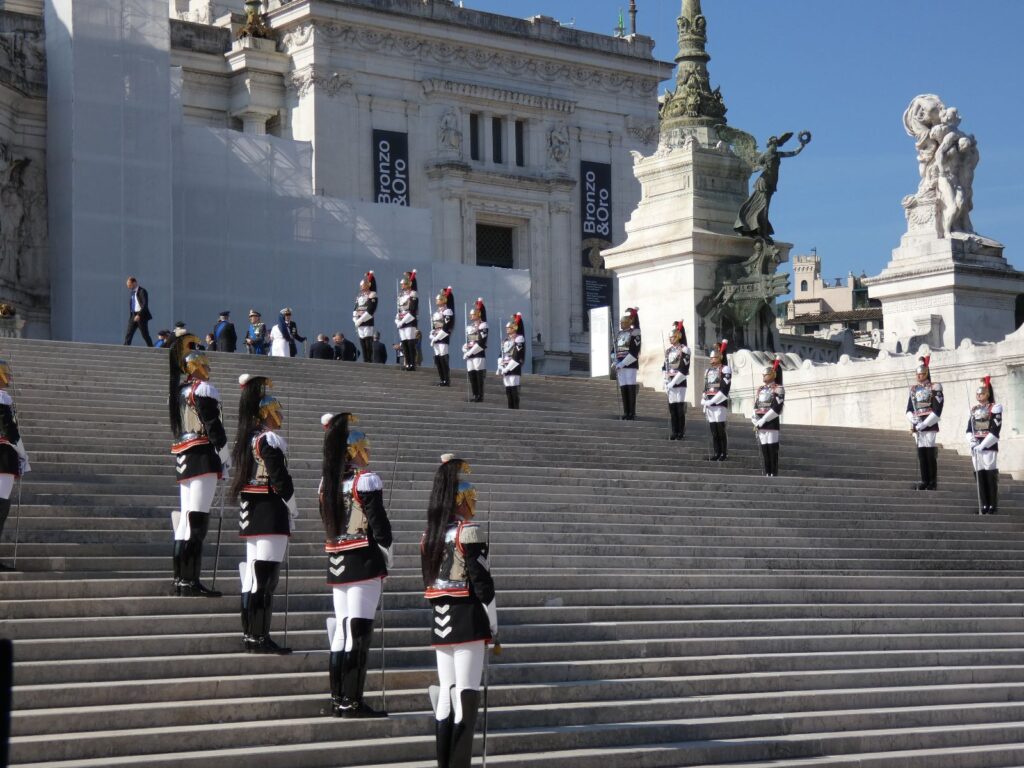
<point>353,545</point>
<point>924,401</point>
<point>264,511</point>
<point>10,436</point>
<point>718,380</point>
<point>202,435</point>
<point>462,588</point>
<point>366,304</point>
<point>770,397</point>
<point>986,419</point>
<point>627,348</point>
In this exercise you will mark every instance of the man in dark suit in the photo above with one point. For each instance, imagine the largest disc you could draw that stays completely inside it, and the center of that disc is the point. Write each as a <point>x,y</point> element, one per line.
<point>138,313</point>
<point>380,352</point>
<point>321,349</point>
<point>344,349</point>
<point>224,333</point>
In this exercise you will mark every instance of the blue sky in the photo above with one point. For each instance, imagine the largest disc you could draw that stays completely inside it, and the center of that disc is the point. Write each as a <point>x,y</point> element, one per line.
<point>846,71</point>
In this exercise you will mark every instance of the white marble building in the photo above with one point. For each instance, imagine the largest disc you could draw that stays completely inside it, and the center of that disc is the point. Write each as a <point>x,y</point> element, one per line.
<point>343,135</point>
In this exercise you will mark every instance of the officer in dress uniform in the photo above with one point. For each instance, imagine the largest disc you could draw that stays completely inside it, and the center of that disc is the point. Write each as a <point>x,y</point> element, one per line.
<point>358,545</point>
<point>627,361</point>
<point>983,427</point>
<point>715,402</point>
<point>464,617</point>
<point>768,402</point>
<point>405,320</point>
<point>363,313</point>
<point>256,335</point>
<point>13,457</point>
<point>474,351</point>
<point>513,354</point>
<point>267,505</point>
<point>442,324</point>
<point>924,409</point>
<point>201,453</point>
<point>677,369</point>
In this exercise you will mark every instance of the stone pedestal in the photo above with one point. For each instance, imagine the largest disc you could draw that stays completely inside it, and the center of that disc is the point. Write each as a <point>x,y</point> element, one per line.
<point>678,236</point>
<point>941,290</point>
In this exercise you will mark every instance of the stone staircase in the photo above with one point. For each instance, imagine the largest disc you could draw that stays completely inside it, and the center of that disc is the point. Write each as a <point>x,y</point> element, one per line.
<point>656,610</point>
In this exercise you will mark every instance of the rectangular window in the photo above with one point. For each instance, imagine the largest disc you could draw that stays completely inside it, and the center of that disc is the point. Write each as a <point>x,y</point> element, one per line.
<point>494,246</point>
<point>474,136</point>
<point>520,143</point>
<point>497,127</point>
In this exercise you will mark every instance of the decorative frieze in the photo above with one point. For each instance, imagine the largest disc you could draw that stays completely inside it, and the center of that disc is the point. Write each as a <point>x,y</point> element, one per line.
<point>302,81</point>
<point>500,95</point>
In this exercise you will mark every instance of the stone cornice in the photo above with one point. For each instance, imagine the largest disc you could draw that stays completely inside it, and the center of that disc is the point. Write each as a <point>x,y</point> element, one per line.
<point>891,275</point>
<point>487,93</point>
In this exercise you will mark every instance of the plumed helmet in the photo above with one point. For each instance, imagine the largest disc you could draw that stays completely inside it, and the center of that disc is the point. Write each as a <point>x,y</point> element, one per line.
<point>631,318</point>
<point>924,365</point>
<point>481,310</point>
<point>446,299</point>
<point>369,281</point>
<point>516,324</point>
<point>720,351</point>
<point>6,376</point>
<point>197,364</point>
<point>409,280</point>
<point>269,406</point>
<point>986,386</point>
<point>678,333</point>
<point>775,369</point>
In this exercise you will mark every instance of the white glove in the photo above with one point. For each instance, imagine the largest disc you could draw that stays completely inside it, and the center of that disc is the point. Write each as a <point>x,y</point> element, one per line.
<point>704,403</point>
<point>293,508</point>
<point>23,466</point>
<point>389,558</point>
<point>492,616</point>
<point>755,421</point>
<point>919,426</point>
<point>225,458</point>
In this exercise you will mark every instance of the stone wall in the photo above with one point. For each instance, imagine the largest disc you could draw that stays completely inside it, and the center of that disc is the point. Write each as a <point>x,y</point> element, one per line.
<point>873,393</point>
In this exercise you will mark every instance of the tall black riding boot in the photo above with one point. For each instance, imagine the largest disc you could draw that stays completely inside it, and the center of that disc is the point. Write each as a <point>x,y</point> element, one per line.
<point>462,733</point>
<point>335,663</point>
<point>367,345</point>
<point>515,398</point>
<point>993,491</point>
<point>766,460</point>
<point>175,558</point>
<point>248,641</point>
<point>444,370</point>
<point>922,466</point>
<point>410,357</point>
<point>481,377</point>
<point>439,366</point>
<point>5,511</point>
<point>981,481</point>
<point>443,732</point>
<point>713,440</point>
<point>723,438</point>
<point>633,390</point>
<point>681,407</point>
<point>261,607</point>
<point>624,394</point>
<point>192,557</point>
<point>674,420</point>
<point>353,674</point>
<point>509,398</point>
<point>774,452</point>
<point>933,468</point>
<point>447,370</point>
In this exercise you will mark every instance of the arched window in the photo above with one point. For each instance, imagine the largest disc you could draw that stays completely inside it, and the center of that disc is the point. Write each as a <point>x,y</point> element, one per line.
<point>803,285</point>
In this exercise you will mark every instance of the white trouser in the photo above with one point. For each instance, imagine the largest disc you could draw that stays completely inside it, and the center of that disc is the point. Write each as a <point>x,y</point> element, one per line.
<point>476,363</point>
<point>677,394</point>
<point>716,413</point>
<point>365,331</point>
<point>767,436</point>
<point>512,381</point>
<point>459,667</point>
<point>196,496</point>
<point>626,376</point>
<point>6,484</point>
<point>407,332</point>
<point>984,460</point>
<point>353,601</point>
<point>270,548</point>
<point>440,349</point>
<point>925,439</point>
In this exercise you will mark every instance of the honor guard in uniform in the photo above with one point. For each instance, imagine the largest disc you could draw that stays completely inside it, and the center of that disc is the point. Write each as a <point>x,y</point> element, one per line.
<point>924,409</point>
<point>358,545</point>
<point>442,324</point>
<point>13,457</point>
<point>256,335</point>
<point>983,427</point>
<point>627,361</point>
<point>677,369</point>
<point>464,615</point>
<point>405,320</point>
<point>267,508</point>
<point>362,314</point>
<point>474,351</point>
<point>715,402</point>
<point>201,453</point>
<point>513,354</point>
<point>768,402</point>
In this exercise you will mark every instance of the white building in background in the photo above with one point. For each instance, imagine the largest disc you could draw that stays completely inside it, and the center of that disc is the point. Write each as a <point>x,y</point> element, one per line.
<point>273,169</point>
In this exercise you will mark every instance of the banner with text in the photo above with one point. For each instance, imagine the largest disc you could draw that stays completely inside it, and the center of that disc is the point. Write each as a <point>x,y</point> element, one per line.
<point>391,167</point>
<point>596,202</point>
